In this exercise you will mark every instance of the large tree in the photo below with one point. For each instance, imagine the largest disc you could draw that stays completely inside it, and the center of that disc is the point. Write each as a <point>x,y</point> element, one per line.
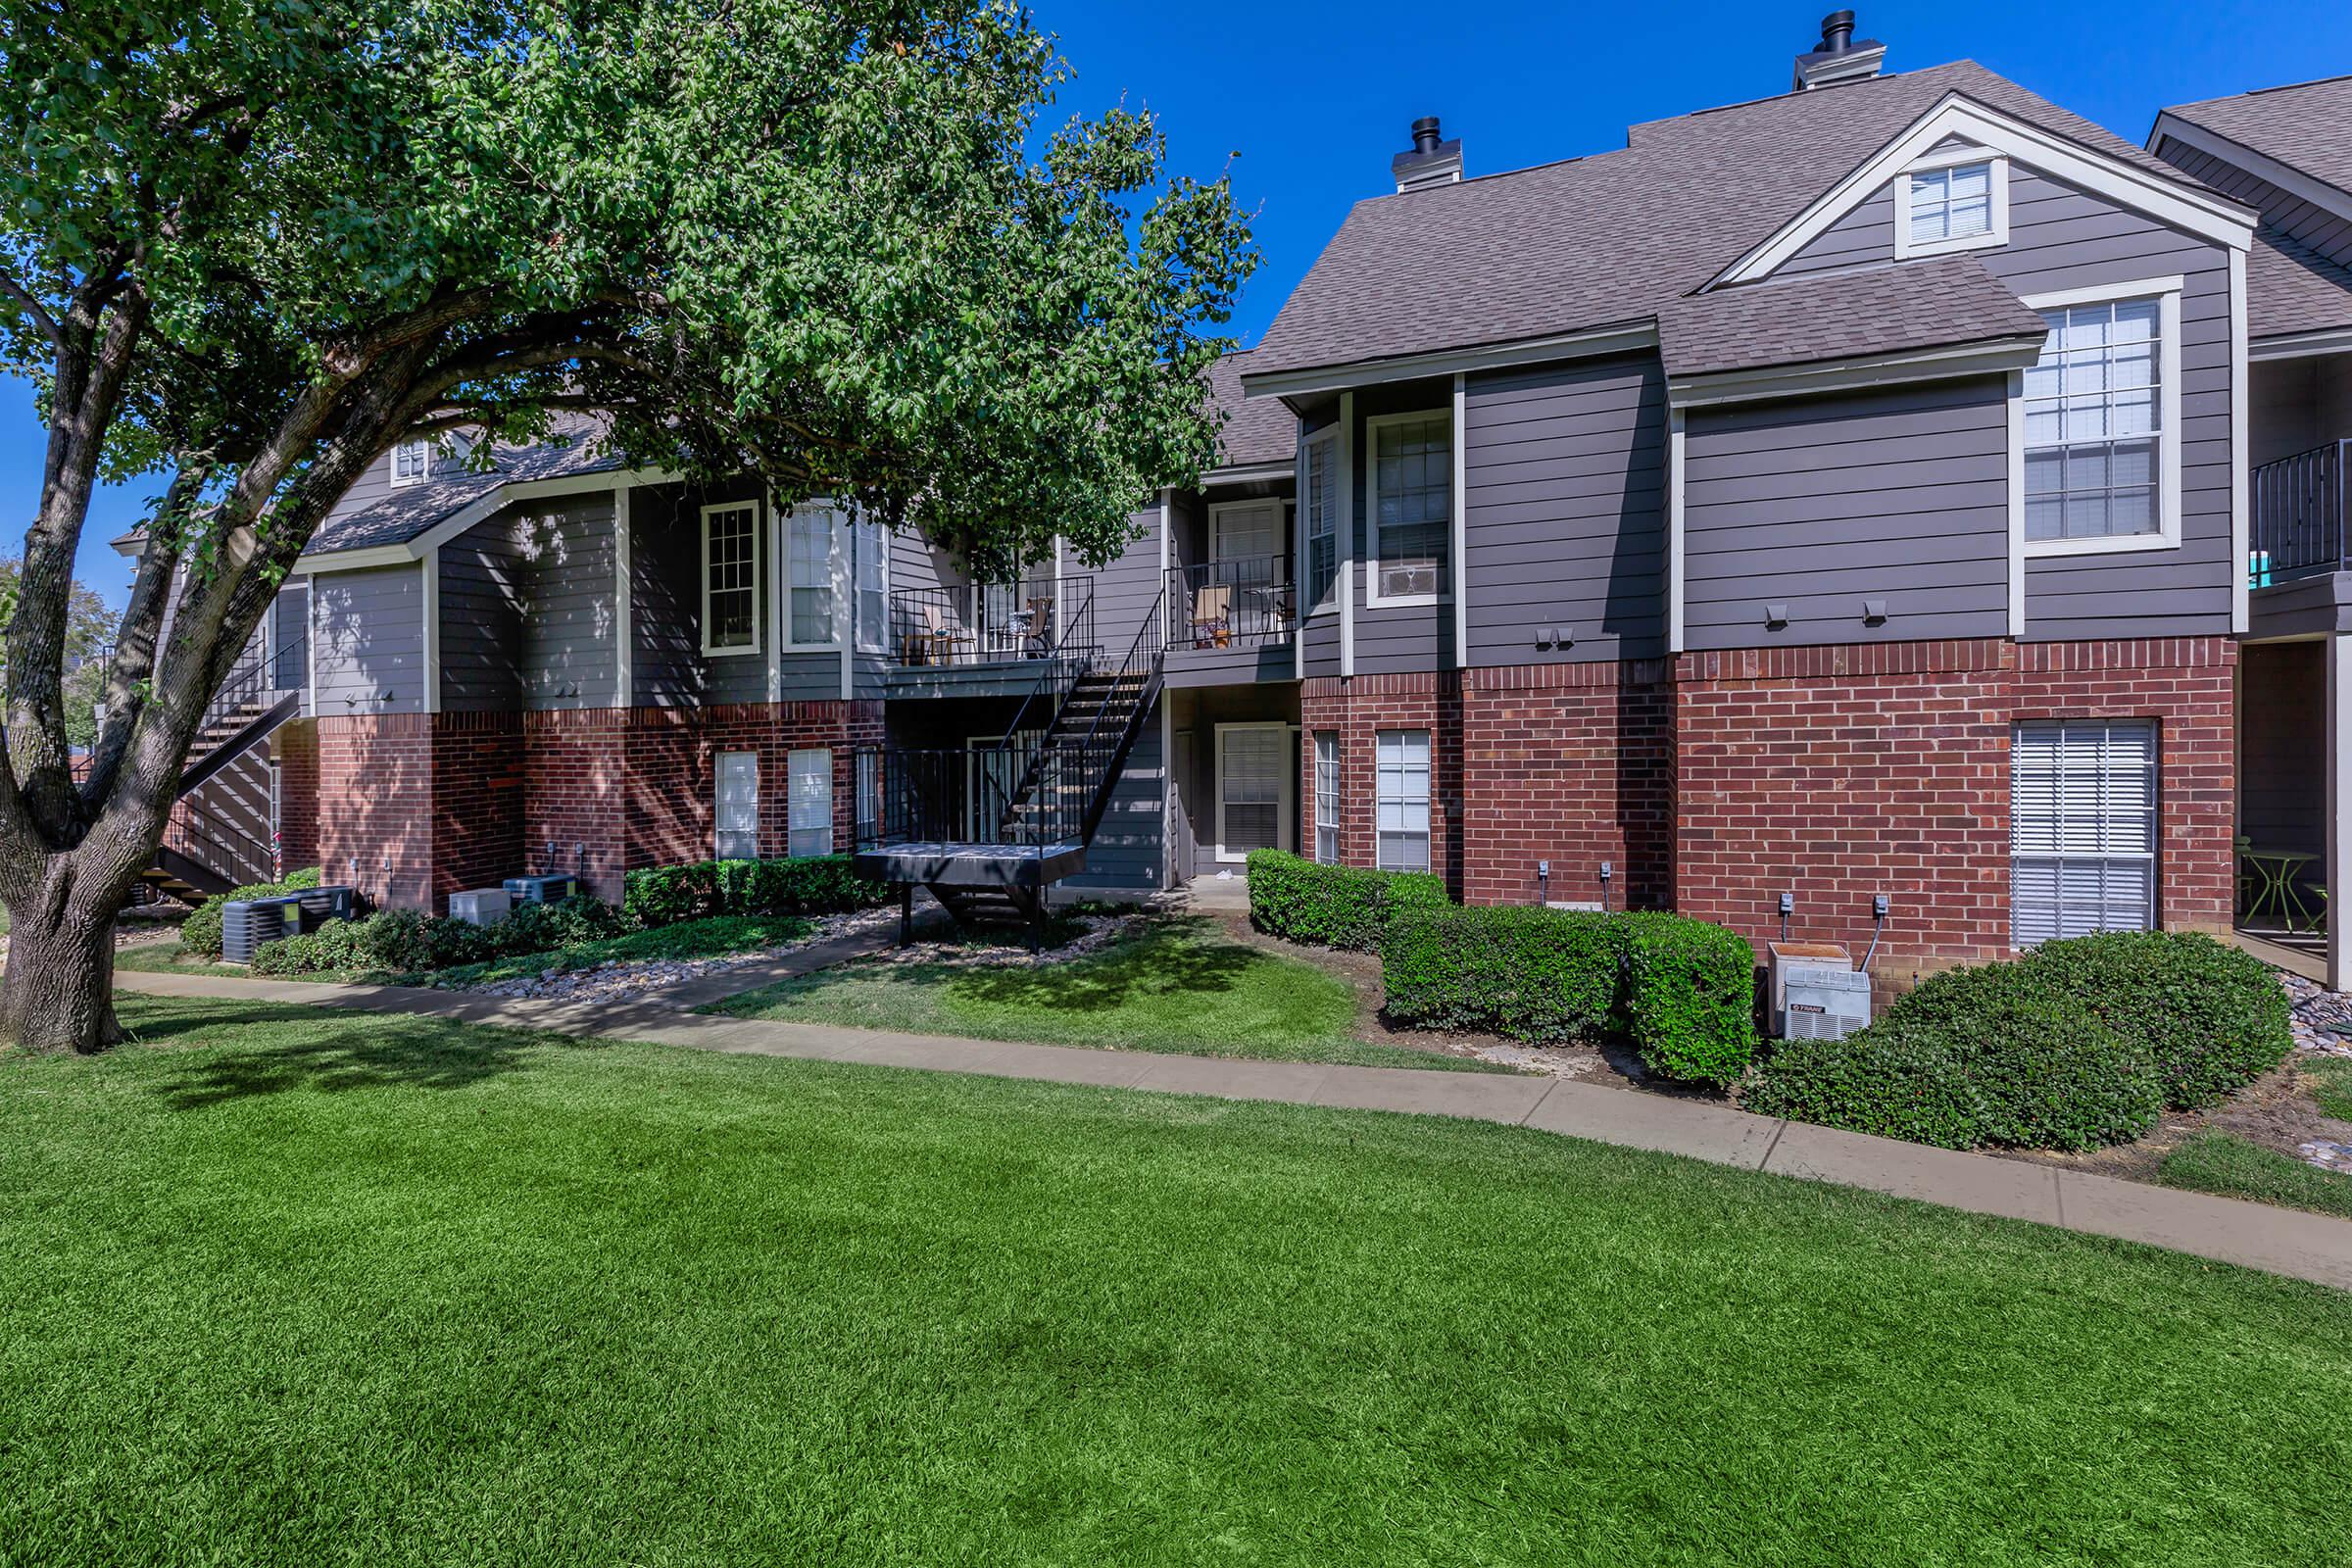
<point>247,244</point>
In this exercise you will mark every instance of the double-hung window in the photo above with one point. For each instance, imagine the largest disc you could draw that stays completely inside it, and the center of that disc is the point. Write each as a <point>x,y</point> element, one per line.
<point>1957,200</point>
<point>1411,505</point>
<point>867,801</point>
<point>870,572</point>
<point>811,776</point>
<point>735,816</point>
<point>1327,797</point>
<point>1402,766</point>
<point>2101,411</point>
<point>810,550</point>
<point>731,578</point>
<point>411,461</point>
<point>1320,518</point>
<point>2082,828</point>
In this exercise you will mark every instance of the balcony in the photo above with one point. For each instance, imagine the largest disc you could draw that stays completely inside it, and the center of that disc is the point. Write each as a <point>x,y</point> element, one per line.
<point>1231,620</point>
<point>2298,526</point>
<point>987,639</point>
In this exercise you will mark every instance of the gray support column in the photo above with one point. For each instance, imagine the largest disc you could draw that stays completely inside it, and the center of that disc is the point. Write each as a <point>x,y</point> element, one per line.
<point>2339,866</point>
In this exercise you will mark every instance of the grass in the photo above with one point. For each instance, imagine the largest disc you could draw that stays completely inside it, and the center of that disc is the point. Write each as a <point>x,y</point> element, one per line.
<point>2331,1085</point>
<point>2228,1165</point>
<point>1178,985</point>
<point>290,1287</point>
<point>715,937</point>
<point>168,956</point>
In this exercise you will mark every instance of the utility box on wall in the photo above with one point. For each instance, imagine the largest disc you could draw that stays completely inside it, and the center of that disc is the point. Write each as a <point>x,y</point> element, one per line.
<point>1817,993</point>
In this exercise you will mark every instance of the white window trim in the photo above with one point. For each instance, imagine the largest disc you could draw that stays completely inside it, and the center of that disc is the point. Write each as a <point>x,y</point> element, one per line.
<point>1218,510</point>
<point>758,568</point>
<point>1330,605</point>
<point>791,761</point>
<point>2166,291</point>
<point>1430,807</point>
<point>392,462</point>
<point>1373,597</point>
<point>859,521</point>
<point>1338,791</point>
<point>1997,235</point>
<point>836,576</point>
<point>1286,810</point>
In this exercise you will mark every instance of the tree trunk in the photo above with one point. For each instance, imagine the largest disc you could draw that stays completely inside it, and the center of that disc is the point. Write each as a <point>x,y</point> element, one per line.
<point>56,992</point>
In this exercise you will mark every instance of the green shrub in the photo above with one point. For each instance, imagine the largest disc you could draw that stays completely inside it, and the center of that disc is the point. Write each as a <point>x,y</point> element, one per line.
<point>2210,1018</point>
<point>1531,974</point>
<point>1333,906</point>
<point>1991,1055</point>
<point>1677,992</point>
<point>405,941</point>
<point>200,932</point>
<point>829,884</point>
<point>1690,996</point>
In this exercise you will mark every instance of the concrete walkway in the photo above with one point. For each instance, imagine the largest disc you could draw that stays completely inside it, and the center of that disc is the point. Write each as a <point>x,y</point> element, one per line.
<point>2309,1247</point>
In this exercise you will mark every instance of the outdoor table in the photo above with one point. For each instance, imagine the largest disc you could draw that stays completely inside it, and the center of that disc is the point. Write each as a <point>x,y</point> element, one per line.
<point>2275,889</point>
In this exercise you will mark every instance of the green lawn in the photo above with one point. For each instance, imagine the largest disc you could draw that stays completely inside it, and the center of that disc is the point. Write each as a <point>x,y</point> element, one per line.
<point>168,956</point>
<point>1180,986</point>
<point>2232,1167</point>
<point>289,1287</point>
<point>717,935</point>
<point>2334,1086</point>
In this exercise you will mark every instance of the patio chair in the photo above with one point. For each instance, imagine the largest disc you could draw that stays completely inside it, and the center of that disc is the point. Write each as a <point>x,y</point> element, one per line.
<point>1213,616</point>
<point>937,641</point>
<point>1038,629</point>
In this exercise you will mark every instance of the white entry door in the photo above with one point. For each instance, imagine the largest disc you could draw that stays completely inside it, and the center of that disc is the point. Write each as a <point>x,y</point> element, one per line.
<point>1254,789</point>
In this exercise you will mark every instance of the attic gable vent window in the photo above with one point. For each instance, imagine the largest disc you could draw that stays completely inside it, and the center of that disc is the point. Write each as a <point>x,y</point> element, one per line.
<point>411,461</point>
<point>1954,201</point>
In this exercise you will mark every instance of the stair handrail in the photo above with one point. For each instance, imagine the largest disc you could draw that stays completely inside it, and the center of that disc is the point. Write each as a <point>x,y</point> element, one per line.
<point>1143,659</point>
<point>238,855</point>
<point>1066,661</point>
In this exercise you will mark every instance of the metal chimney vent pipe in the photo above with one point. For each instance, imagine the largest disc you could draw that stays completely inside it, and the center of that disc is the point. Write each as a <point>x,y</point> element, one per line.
<point>1838,32</point>
<point>1425,130</point>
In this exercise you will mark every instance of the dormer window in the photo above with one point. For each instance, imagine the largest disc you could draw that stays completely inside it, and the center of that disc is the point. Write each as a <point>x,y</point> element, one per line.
<point>1957,200</point>
<point>411,461</point>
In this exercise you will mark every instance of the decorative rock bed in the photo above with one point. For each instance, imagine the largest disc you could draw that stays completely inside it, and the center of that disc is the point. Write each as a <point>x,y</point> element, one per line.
<point>2323,1018</point>
<point>621,979</point>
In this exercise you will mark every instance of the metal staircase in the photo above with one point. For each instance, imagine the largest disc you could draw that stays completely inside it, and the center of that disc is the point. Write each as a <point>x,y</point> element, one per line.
<point>204,851</point>
<point>987,830</point>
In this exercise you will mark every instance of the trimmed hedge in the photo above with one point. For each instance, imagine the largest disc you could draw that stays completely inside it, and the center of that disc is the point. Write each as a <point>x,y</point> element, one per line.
<point>663,895</point>
<point>1994,1055</point>
<point>200,932</point>
<point>1333,906</point>
<point>405,941</point>
<point>1677,992</point>
<point>2210,1018</point>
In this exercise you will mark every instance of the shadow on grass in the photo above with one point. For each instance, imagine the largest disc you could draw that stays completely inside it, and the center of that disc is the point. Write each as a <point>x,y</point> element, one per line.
<point>332,1053</point>
<point>1168,963</point>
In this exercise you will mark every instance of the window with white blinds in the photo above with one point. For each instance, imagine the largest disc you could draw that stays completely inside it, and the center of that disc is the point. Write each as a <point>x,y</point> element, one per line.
<point>1402,766</point>
<point>731,579</point>
<point>867,801</point>
<point>1319,516</point>
<point>1949,204</point>
<point>1327,797</point>
<point>1253,774</point>
<point>811,777</point>
<point>1411,505</point>
<point>812,562</point>
<point>736,811</point>
<point>2082,828</point>
<point>871,570</point>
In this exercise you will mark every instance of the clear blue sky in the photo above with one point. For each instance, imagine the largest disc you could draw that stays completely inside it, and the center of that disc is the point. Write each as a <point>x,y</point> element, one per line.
<point>1313,97</point>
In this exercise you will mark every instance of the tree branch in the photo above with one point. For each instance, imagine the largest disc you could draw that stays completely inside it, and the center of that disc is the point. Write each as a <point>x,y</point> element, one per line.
<point>32,307</point>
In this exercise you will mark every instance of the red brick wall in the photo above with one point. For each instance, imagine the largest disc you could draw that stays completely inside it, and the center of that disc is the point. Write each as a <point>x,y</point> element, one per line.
<point>375,806</point>
<point>1838,773</point>
<point>295,749</point>
<point>576,793</point>
<point>479,772</point>
<point>1359,709</point>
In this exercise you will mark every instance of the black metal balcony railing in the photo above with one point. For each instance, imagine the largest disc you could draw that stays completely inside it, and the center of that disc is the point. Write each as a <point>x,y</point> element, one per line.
<point>991,623</point>
<point>2298,526</point>
<point>1244,603</point>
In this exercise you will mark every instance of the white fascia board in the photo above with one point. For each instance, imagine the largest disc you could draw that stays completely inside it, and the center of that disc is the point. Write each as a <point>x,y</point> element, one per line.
<point>2017,503</point>
<point>1578,345</point>
<point>430,565</point>
<point>2206,216</point>
<point>2302,345</point>
<point>2287,177</point>
<point>1676,445</point>
<point>481,507</point>
<point>2240,475</point>
<point>1848,375</point>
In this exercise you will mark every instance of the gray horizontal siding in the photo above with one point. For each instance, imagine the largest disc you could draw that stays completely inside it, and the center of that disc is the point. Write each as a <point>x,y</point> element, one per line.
<point>1861,238</point>
<point>1564,522</point>
<point>2290,215</point>
<point>2063,238</point>
<point>367,641</point>
<point>481,619</point>
<point>1821,503</point>
<point>1395,639</point>
<point>569,629</point>
<point>1126,591</point>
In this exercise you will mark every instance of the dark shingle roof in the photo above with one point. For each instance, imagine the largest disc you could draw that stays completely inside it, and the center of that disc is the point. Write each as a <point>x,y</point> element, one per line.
<point>1947,302</point>
<point>2291,289</point>
<point>2307,127</point>
<point>1257,430</point>
<point>1608,240</point>
<point>412,510</point>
